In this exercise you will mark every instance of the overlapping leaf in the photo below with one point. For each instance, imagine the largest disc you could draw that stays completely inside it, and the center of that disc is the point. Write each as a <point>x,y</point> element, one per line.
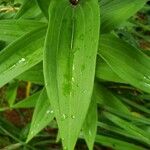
<point>44,5</point>
<point>90,124</point>
<point>116,12</point>
<point>43,114</point>
<point>10,30</point>
<point>127,62</point>
<point>21,55</point>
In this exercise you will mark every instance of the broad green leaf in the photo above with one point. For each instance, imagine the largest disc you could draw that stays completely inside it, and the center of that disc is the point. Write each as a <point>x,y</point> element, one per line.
<point>21,55</point>
<point>90,124</point>
<point>129,127</point>
<point>10,30</point>
<point>106,98</point>
<point>129,63</point>
<point>12,92</point>
<point>44,5</point>
<point>28,102</point>
<point>103,73</point>
<point>116,12</point>
<point>43,115</point>
<point>69,63</point>
<point>35,74</point>
<point>116,144</point>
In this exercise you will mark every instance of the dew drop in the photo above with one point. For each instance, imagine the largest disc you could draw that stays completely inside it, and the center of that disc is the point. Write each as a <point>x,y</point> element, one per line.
<point>90,134</point>
<point>147,85</point>
<point>73,117</point>
<point>65,148</point>
<point>73,68</point>
<point>84,91</point>
<point>73,79</point>
<point>32,132</point>
<point>13,66</point>
<point>22,60</point>
<point>50,112</point>
<point>64,116</point>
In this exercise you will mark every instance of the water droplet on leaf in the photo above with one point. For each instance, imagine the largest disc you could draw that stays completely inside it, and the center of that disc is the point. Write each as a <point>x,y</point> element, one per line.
<point>73,117</point>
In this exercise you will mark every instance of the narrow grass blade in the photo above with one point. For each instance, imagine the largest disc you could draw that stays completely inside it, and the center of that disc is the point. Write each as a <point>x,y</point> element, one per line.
<point>21,55</point>
<point>90,124</point>
<point>43,115</point>
<point>106,98</point>
<point>11,92</point>
<point>116,144</point>
<point>134,130</point>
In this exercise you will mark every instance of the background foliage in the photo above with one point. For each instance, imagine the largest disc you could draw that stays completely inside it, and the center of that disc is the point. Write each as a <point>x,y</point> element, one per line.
<point>119,110</point>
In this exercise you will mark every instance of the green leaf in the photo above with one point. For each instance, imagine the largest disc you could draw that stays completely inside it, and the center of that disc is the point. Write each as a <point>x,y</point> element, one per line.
<point>125,61</point>
<point>105,73</point>
<point>28,10</point>
<point>90,124</point>
<point>28,102</point>
<point>10,30</point>
<point>21,55</point>
<point>116,144</point>
<point>116,12</point>
<point>12,92</point>
<point>106,98</point>
<point>44,5</point>
<point>68,70</point>
<point>35,74</point>
<point>118,130</point>
<point>43,115</point>
<point>129,127</point>
<point>130,117</point>
<point>135,105</point>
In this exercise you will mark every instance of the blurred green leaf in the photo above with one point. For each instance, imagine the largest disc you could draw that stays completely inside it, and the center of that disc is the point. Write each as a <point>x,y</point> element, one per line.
<point>116,144</point>
<point>11,92</point>
<point>116,12</point>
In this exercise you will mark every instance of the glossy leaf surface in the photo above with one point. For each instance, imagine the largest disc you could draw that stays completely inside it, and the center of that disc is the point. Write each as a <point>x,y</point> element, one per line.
<point>69,63</point>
